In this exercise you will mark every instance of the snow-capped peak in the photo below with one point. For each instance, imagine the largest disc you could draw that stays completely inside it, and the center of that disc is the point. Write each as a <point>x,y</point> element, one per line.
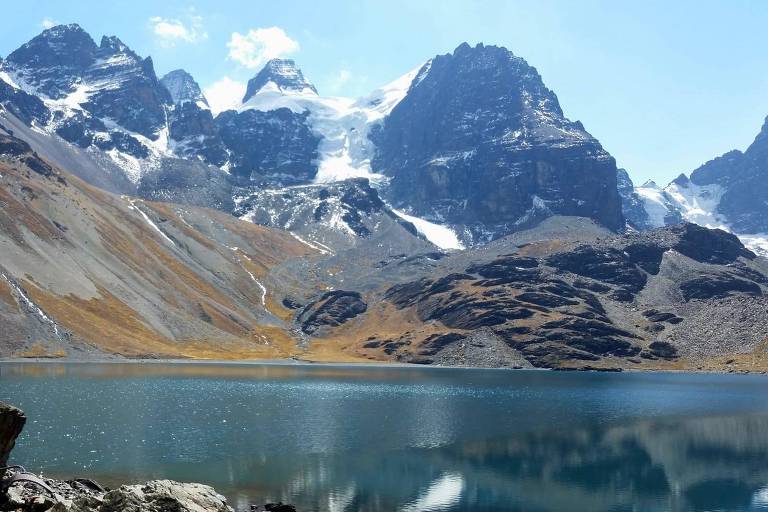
<point>380,102</point>
<point>184,89</point>
<point>651,184</point>
<point>280,75</point>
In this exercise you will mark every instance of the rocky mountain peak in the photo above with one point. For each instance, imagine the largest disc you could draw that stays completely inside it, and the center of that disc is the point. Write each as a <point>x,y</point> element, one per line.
<point>651,184</point>
<point>54,59</point>
<point>282,74</point>
<point>183,88</point>
<point>114,45</point>
<point>64,45</point>
<point>482,107</point>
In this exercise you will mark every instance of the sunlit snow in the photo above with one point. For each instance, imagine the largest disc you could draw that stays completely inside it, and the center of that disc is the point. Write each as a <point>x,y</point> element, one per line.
<point>443,237</point>
<point>342,124</point>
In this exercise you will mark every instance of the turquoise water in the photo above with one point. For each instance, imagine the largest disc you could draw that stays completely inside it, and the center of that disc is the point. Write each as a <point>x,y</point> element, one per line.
<point>349,438</point>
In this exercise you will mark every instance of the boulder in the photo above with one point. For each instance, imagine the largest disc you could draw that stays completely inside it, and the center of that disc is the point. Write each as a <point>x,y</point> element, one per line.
<point>12,421</point>
<point>164,496</point>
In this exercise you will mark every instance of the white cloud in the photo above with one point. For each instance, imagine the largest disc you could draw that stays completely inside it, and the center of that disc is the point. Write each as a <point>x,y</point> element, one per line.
<point>259,45</point>
<point>48,23</point>
<point>171,31</point>
<point>224,94</point>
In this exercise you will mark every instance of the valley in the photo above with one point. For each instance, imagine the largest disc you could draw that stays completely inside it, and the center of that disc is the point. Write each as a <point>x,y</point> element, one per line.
<point>453,217</point>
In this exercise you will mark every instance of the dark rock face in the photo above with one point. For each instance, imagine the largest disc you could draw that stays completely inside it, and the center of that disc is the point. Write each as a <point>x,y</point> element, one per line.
<point>26,107</point>
<point>717,285</point>
<point>54,60</point>
<point>563,306</point>
<point>506,292</point>
<point>480,141</point>
<point>12,422</point>
<point>710,245</point>
<point>120,86</point>
<point>283,73</point>
<point>276,146</point>
<point>632,206</point>
<point>138,101</point>
<point>12,147</point>
<point>190,121</point>
<point>608,265</point>
<point>331,309</point>
<point>744,179</point>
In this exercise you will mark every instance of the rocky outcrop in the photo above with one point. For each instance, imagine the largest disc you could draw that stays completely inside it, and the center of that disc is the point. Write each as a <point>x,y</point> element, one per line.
<point>561,303</point>
<point>275,147</point>
<point>190,120</point>
<point>480,142</point>
<point>331,310</point>
<point>12,422</point>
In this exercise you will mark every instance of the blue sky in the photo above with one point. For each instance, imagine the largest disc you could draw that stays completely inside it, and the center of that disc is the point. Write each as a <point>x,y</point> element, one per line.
<point>664,86</point>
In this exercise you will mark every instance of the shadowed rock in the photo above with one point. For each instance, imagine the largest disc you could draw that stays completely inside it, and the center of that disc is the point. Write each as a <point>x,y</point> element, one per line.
<point>12,421</point>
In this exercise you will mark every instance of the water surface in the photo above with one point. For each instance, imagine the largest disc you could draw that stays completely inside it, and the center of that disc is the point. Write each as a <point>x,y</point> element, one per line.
<point>350,438</point>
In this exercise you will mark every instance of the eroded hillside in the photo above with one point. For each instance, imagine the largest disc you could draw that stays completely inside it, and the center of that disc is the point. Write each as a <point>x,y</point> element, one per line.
<point>86,272</point>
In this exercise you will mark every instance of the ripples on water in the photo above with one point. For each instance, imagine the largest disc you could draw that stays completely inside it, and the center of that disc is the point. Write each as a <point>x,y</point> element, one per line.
<point>409,439</point>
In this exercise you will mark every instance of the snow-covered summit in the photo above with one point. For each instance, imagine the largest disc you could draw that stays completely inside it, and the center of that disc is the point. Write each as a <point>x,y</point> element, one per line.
<point>184,89</point>
<point>281,75</point>
<point>340,124</point>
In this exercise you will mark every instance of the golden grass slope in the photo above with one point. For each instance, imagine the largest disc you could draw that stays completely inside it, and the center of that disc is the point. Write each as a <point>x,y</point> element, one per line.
<point>123,276</point>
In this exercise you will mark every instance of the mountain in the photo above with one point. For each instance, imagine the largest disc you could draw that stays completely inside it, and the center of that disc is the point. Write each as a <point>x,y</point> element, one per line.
<point>727,192</point>
<point>452,216</point>
<point>479,142</point>
<point>183,89</point>
<point>147,133</point>
<point>87,274</point>
<point>191,125</point>
<point>282,75</point>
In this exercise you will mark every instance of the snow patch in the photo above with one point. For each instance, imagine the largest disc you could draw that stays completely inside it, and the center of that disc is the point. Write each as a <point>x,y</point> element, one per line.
<point>441,236</point>
<point>655,204</point>
<point>133,206</point>
<point>698,203</point>
<point>343,124</point>
<point>758,244</point>
<point>31,305</point>
<point>309,244</point>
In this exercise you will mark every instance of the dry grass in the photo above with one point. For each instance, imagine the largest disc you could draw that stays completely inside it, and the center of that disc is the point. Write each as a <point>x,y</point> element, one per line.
<point>6,295</point>
<point>40,351</point>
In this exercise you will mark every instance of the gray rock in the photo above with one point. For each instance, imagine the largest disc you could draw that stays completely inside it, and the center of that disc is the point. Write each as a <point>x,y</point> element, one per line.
<point>12,422</point>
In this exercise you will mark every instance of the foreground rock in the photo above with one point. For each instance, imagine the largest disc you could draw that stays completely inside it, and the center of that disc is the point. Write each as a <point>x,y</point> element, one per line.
<point>12,420</point>
<point>85,496</point>
<point>24,492</point>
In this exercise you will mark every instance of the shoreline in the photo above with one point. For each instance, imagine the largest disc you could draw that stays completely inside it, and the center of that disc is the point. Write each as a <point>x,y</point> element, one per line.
<point>290,362</point>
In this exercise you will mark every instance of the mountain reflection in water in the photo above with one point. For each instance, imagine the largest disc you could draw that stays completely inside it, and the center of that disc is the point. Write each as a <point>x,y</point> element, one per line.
<point>695,464</point>
<point>349,439</point>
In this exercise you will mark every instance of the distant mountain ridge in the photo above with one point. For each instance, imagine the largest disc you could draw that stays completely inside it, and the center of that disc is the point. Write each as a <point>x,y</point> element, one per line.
<point>108,101</point>
<point>728,192</point>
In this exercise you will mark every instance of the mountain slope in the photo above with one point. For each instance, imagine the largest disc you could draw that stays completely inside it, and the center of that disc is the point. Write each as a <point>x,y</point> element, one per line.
<point>88,272</point>
<point>568,294</point>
